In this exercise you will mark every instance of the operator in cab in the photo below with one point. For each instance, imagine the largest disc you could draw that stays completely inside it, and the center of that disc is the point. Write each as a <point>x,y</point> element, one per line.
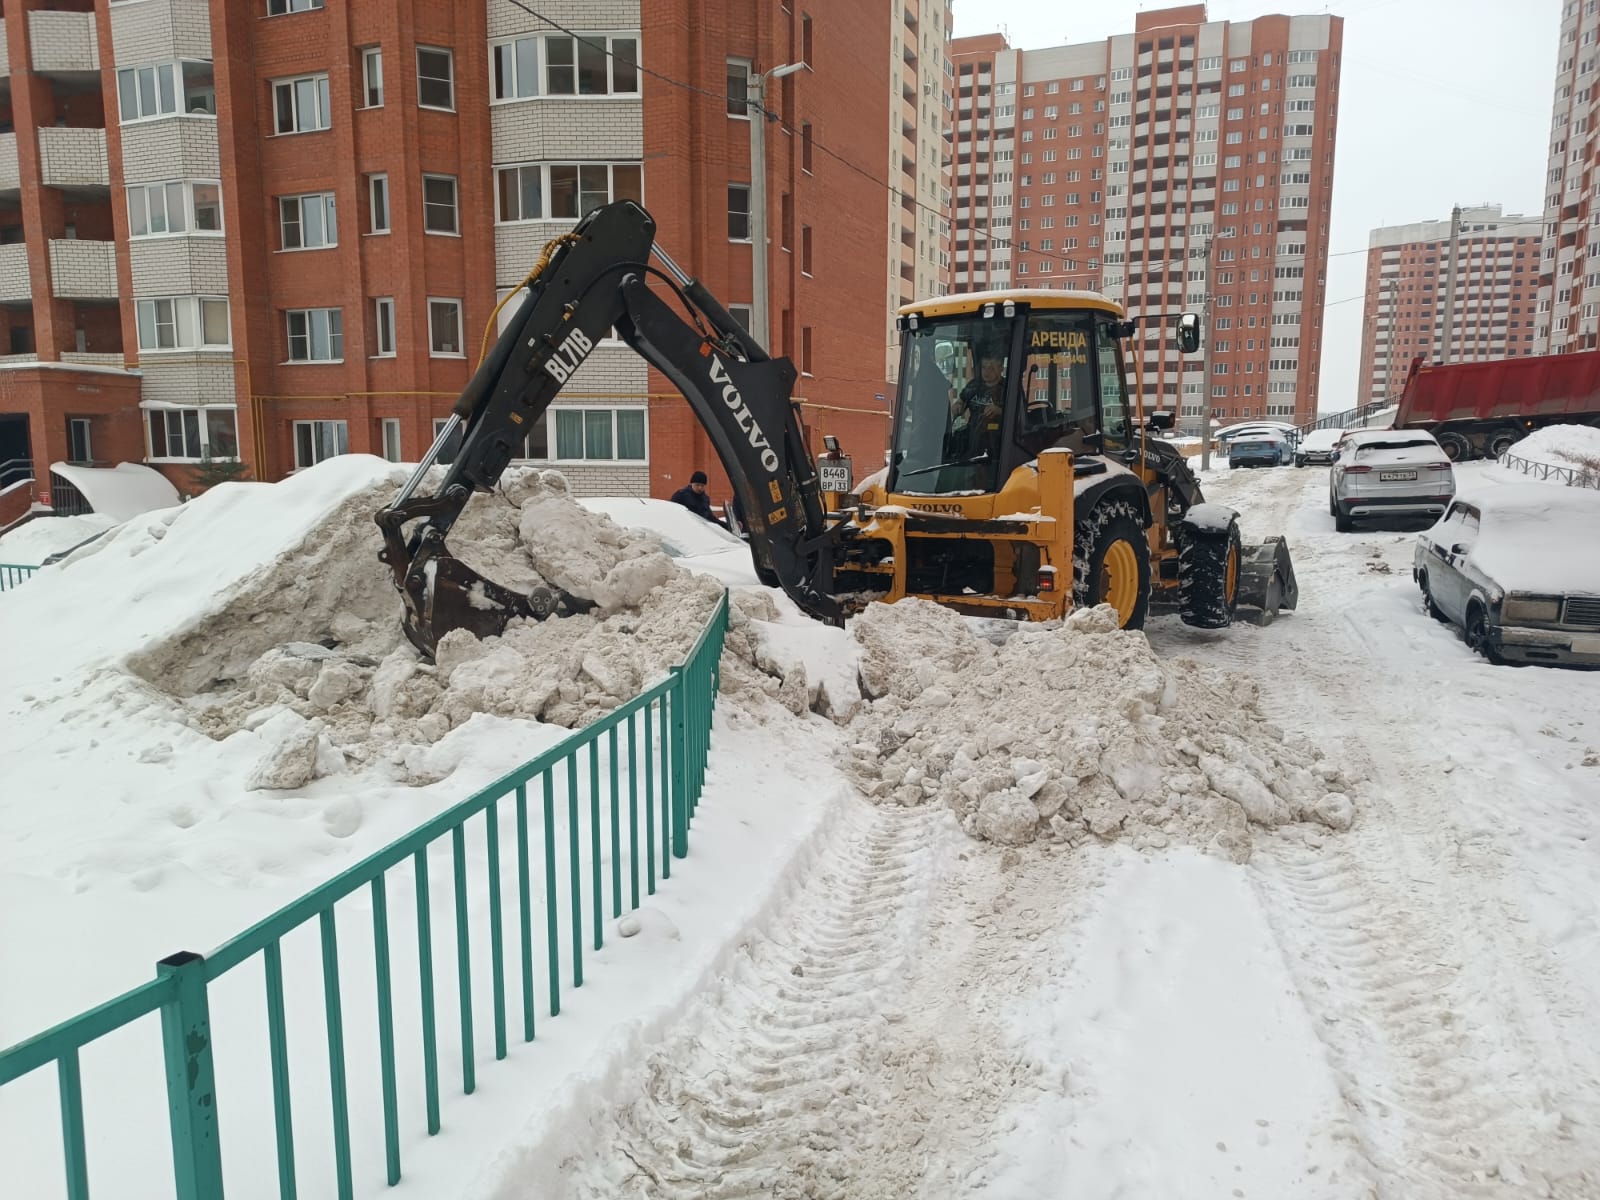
<point>975,414</point>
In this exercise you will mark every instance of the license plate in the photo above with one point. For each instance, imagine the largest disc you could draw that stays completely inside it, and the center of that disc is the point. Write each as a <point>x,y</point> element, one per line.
<point>1387,476</point>
<point>834,476</point>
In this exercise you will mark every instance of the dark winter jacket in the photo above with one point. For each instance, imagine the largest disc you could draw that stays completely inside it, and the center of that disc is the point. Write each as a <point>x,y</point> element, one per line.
<point>698,503</point>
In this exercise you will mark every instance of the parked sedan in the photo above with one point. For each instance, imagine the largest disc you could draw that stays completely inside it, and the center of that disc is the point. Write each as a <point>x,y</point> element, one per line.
<point>1518,569</point>
<point>1388,472</point>
<point>1318,446</point>
<point>1259,450</point>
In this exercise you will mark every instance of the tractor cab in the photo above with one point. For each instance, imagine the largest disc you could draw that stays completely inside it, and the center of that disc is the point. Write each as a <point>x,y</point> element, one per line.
<point>989,380</point>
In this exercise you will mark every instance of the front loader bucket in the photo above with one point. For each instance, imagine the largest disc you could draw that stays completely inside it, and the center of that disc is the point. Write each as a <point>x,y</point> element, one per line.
<point>1266,580</point>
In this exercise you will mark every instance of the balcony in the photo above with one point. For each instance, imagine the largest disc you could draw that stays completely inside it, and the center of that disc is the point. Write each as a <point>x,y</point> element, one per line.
<point>15,287</point>
<point>73,158</point>
<point>83,270</point>
<point>10,176</point>
<point>63,43</point>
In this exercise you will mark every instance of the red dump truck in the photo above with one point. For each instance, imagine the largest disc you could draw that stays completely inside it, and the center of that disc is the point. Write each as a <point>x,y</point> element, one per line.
<point>1484,408</point>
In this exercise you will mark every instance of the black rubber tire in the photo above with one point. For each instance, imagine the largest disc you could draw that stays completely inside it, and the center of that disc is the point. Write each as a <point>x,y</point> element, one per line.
<point>1341,522</point>
<point>1501,440</point>
<point>1110,521</point>
<point>1456,447</point>
<point>1203,597</point>
<point>1477,635</point>
<point>1298,461</point>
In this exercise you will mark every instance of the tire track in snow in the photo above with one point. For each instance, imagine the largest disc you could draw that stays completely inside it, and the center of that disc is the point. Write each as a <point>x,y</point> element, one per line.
<point>826,1063</point>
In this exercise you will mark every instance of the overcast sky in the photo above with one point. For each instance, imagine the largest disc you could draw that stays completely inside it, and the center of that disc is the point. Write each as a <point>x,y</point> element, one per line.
<point>1443,102</point>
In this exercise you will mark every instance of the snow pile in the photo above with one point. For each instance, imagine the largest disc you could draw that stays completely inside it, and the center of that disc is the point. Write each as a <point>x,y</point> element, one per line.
<point>30,543</point>
<point>1572,446</point>
<point>307,652</point>
<point>1075,731</point>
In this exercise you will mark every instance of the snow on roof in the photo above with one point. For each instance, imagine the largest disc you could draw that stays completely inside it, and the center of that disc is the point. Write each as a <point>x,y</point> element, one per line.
<point>1528,534</point>
<point>1317,439</point>
<point>1400,437</point>
<point>122,491</point>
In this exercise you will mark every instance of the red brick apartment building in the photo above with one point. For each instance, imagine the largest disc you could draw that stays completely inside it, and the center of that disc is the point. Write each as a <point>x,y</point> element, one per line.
<point>276,229</point>
<point>1408,288</point>
<point>1567,315</point>
<point>1187,163</point>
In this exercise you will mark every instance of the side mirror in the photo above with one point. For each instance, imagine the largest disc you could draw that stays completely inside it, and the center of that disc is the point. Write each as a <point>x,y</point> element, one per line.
<point>1189,333</point>
<point>1459,548</point>
<point>1162,420</point>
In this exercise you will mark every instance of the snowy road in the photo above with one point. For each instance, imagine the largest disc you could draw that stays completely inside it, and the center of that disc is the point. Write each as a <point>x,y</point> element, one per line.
<point>1404,1010</point>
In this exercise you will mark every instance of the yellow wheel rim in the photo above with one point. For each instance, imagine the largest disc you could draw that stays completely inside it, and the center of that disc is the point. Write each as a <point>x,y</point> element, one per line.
<point>1119,580</point>
<point>1233,573</point>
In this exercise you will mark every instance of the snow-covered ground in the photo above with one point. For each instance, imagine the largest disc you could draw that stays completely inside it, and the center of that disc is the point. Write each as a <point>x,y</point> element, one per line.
<point>839,998</point>
<point>30,543</point>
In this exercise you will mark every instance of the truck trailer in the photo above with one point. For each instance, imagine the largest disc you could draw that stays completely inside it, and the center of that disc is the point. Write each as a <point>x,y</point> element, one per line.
<point>1482,409</point>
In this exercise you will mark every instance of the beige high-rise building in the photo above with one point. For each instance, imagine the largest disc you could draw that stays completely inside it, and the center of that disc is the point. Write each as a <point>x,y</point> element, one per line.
<point>922,79</point>
<point>1121,165</point>
<point>1408,295</point>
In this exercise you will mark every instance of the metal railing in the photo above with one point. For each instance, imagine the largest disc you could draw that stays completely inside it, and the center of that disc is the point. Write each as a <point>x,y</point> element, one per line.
<point>16,470</point>
<point>662,735</point>
<point>1350,418</point>
<point>12,574</point>
<point>1584,477</point>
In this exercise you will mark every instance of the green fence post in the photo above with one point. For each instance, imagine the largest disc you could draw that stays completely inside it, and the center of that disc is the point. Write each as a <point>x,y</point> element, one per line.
<point>680,766</point>
<point>191,1082</point>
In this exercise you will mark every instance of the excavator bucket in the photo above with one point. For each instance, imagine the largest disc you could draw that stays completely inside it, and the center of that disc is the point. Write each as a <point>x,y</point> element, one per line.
<point>1266,580</point>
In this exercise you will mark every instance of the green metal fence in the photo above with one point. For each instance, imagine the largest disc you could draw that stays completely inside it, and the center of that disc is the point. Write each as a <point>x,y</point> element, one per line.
<point>12,574</point>
<point>644,766</point>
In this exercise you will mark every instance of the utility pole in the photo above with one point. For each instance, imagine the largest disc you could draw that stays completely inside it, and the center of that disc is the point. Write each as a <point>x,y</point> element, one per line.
<point>756,106</point>
<point>1205,361</point>
<point>1450,287</point>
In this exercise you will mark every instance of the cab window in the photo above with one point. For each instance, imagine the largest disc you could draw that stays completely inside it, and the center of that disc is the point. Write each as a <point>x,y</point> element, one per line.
<point>1118,425</point>
<point>1057,391</point>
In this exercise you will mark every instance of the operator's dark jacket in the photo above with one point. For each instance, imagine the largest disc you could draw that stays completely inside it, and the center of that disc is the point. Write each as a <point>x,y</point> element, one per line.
<point>698,503</point>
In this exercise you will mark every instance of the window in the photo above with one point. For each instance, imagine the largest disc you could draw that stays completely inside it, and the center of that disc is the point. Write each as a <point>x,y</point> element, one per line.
<point>516,68</point>
<point>608,434</point>
<point>383,327</point>
<point>805,249</point>
<point>301,105</point>
<point>805,350</point>
<point>316,335</point>
<point>742,314</point>
<point>738,87</point>
<point>194,433</point>
<point>738,212</point>
<point>183,323</point>
<point>805,146</point>
<point>591,65</point>
<point>378,203</point>
<point>78,441</point>
<point>372,76</point>
<point>806,46</point>
<point>145,93</point>
<point>307,222</point>
<point>436,83</point>
<point>157,209</point>
<point>315,441</point>
<point>439,204</point>
<point>444,328</point>
<point>576,188</point>
<point>278,7</point>
<point>390,427</point>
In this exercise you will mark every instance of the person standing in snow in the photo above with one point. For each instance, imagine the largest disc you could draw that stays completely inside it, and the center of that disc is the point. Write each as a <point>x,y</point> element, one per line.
<point>694,498</point>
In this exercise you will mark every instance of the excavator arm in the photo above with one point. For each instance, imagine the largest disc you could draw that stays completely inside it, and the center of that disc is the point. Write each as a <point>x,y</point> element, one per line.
<point>596,281</point>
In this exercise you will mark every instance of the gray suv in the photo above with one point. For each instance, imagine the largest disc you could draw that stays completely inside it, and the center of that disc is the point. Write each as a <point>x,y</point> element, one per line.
<point>1388,472</point>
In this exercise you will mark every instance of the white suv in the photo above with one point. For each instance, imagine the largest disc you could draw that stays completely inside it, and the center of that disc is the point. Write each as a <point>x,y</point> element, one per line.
<point>1388,472</point>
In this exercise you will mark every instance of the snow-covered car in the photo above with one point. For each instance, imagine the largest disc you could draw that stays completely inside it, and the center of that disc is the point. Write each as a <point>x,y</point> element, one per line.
<point>1388,473</point>
<point>1518,569</point>
<point>1318,446</point>
<point>1259,450</point>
